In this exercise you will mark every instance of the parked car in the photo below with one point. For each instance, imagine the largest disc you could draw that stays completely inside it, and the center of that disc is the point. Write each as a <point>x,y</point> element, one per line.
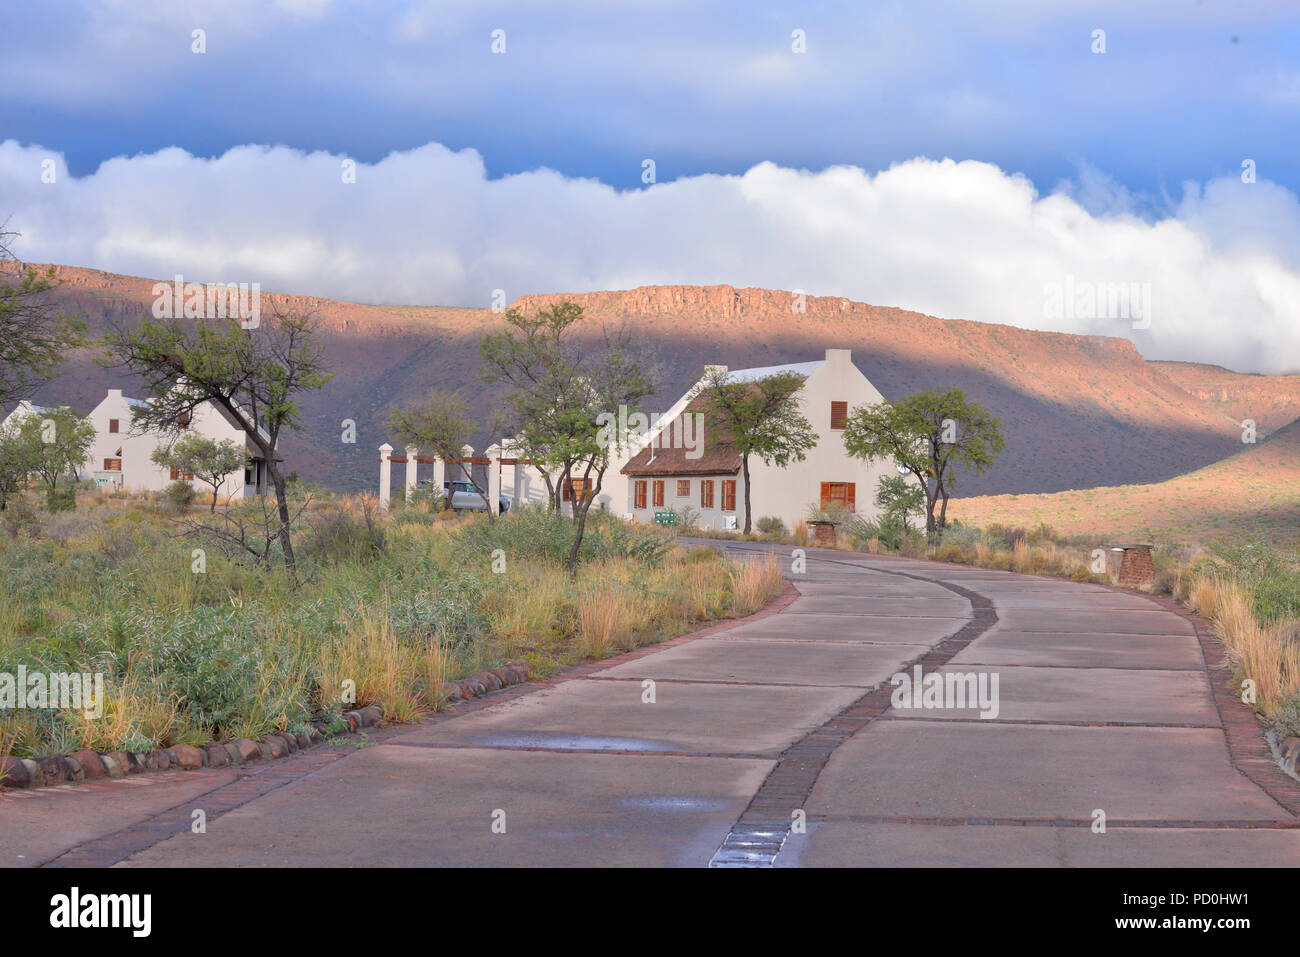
<point>464,497</point>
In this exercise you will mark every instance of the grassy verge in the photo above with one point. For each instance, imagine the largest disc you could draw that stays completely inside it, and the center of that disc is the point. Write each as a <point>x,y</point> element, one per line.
<point>195,643</point>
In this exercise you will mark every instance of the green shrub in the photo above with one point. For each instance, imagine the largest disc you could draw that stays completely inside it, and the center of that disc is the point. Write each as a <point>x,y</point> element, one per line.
<point>770,525</point>
<point>180,495</point>
<point>61,499</point>
<point>963,536</point>
<point>339,536</point>
<point>536,532</point>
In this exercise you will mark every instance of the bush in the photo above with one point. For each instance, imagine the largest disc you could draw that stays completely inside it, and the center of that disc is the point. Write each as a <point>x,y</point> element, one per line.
<point>180,495</point>
<point>339,536</point>
<point>61,499</point>
<point>686,517</point>
<point>771,525</point>
<point>536,532</point>
<point>19,517</point>
<point>963,536</point>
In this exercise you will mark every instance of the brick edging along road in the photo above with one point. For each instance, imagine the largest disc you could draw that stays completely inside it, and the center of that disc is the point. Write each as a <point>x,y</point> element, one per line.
<point>52,770</point>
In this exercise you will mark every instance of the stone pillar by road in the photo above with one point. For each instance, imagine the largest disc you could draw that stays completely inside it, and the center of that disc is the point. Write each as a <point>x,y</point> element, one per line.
<point>385,475</point>
<point>411,467</point>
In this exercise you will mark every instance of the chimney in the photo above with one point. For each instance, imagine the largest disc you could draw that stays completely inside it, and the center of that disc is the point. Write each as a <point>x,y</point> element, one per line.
<point>839,355</point>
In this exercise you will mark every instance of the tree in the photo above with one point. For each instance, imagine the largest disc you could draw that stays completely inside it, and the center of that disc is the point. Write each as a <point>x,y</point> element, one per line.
<point>254,375</point>
<point>439,424</point>
<point>17,462</point>
<point>34,336</point>
<point>760,418</point>
<point>933,435</point>
<point>56,443</point>
<point>899,500</point>
<point>562,395</point>
<point>209,461</point>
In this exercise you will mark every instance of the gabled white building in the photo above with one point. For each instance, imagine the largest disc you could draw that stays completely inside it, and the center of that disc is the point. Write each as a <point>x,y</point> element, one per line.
<point>658,479</point>
<point>121,456</point>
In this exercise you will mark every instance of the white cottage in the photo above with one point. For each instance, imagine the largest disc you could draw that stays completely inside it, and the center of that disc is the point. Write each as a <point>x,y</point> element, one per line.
<point>121,457</point>
<point>658,479</point>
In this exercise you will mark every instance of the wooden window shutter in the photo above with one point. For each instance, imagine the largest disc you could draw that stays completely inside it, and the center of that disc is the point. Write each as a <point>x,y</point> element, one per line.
<point>849,497</point>
<point>728,495</point>
<point>639,500</point>
<point>706,493</point>
<point>839,414</point>
<point>826,494</point>
<point>659,492</point>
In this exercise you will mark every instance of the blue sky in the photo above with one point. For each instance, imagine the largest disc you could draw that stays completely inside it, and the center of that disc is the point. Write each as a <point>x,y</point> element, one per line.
<point>956,158</point>
<point>593,88</point>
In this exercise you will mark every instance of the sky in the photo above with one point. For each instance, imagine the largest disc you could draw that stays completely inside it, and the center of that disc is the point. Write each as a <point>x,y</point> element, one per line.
<point>968,160</point>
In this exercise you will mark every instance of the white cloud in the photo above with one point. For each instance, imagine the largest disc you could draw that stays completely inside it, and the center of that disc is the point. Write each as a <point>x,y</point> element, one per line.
<point>954,239</point>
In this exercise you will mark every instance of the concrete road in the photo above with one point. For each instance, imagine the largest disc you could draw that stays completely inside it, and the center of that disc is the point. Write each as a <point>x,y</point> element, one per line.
<point>772,741</point>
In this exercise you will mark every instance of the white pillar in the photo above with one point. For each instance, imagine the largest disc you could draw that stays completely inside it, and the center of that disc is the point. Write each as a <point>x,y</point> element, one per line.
<point>385,475</point>
<point>439,473</point>
<point>494,479</point>
<point>411,466</point>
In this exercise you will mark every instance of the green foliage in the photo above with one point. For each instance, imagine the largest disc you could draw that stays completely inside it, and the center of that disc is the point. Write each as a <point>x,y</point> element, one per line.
<point>686,517</point>
<point>209,461</point>
<point>54,444</point>
<point>536,533</point>
<point>1271,574</point>
<point>933,435</point>
<point>61,499</point>
<point>338,536</point>
<point>34,337</point>
<point>959,535</point>
<point>770,525</point>
<point>900,499</point>
<point>180,495</point>
<point>569,401</point>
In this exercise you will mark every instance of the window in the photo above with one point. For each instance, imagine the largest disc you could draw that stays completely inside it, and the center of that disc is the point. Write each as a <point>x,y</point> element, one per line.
<point>112,425</point>
<point>706,493</point>
<point>728,495</point>
<point>839,414</point>
<point>176,474</point>
<point>112,465</point>
<point>639,495</point>
<point>582,486</point>
<point>838,493</point>
<point>659,492</point>
<point>683,488</point>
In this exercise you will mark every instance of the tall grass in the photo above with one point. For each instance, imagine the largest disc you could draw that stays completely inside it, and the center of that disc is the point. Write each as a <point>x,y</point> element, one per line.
<point>391,606</point>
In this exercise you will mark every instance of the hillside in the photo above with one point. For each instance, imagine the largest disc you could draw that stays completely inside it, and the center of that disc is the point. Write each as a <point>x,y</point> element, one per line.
<point>1272,401</point>
<point>1079,411</point>
<point>1256,491</point>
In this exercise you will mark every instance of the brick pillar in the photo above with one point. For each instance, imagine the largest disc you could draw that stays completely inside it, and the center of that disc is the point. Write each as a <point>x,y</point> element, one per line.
<point>1136,568</point>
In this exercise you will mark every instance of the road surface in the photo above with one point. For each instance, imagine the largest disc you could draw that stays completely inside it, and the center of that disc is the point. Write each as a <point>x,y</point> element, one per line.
<point>769,742</point>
